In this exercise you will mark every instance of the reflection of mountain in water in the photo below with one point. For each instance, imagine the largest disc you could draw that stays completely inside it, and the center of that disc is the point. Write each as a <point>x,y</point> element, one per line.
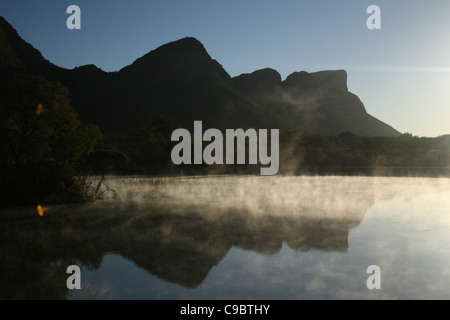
<point>188,225</point>
<point>182,249</point>
<point>179,230</point>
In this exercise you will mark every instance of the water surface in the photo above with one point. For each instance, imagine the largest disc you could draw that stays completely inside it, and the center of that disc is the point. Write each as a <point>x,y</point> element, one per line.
<point>246,237</point>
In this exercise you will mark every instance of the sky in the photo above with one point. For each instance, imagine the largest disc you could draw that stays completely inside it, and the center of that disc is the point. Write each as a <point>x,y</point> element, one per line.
<point>400,72</point>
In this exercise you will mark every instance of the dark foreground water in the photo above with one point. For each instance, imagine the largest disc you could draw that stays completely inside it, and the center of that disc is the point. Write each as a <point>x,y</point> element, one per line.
<point>236,238</point>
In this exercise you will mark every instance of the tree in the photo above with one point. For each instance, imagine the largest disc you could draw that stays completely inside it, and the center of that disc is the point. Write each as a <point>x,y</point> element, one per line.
<point>150,145</point>
<point>42,142</point>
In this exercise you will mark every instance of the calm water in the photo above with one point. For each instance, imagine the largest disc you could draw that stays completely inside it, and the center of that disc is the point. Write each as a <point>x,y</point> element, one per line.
<point>236,238</point>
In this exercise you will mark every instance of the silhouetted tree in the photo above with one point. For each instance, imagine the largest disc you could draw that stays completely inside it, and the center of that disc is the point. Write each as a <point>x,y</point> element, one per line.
<point>150,145</point>
<point>42,142</point>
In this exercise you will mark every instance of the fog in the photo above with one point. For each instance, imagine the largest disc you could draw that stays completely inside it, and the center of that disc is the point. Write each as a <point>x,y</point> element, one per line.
<point>293,196</point>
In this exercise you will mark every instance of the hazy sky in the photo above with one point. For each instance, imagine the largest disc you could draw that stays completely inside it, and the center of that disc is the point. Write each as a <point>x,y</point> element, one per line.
<point>400,72</point>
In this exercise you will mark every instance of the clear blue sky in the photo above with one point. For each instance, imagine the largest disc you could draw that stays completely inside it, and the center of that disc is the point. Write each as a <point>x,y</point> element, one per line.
<point>401,72</point>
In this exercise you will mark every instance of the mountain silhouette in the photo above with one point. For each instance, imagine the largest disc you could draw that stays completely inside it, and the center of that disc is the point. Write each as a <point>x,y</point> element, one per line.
<point>181,80</point>
<point>319,101</point>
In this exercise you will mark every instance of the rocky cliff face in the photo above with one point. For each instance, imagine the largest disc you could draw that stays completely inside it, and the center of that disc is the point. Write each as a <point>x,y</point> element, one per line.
<point>335,81</point>
<point>317,102</point>
<point>181,80</point>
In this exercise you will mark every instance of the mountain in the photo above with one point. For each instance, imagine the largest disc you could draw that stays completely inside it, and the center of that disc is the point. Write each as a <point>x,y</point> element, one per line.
<point>181,80</point>
<point>17,55</point>
<point>320,101</point>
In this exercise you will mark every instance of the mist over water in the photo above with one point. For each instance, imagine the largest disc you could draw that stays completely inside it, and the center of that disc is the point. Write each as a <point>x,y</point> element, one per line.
<point>254,195</point>
<point>333,197</point>
<point>239,237</point>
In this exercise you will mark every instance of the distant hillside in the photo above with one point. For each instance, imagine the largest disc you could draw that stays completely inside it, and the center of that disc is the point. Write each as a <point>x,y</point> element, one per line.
<point>181,80</point>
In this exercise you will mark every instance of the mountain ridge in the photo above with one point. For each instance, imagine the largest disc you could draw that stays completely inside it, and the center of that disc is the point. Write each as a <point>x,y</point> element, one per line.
<point>181,80</point>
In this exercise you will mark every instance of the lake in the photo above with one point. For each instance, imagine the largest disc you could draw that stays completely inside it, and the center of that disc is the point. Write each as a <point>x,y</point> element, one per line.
<point>236,237</point>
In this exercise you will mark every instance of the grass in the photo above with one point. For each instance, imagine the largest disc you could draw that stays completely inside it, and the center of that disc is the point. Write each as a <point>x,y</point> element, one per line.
<point>88,294</point>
